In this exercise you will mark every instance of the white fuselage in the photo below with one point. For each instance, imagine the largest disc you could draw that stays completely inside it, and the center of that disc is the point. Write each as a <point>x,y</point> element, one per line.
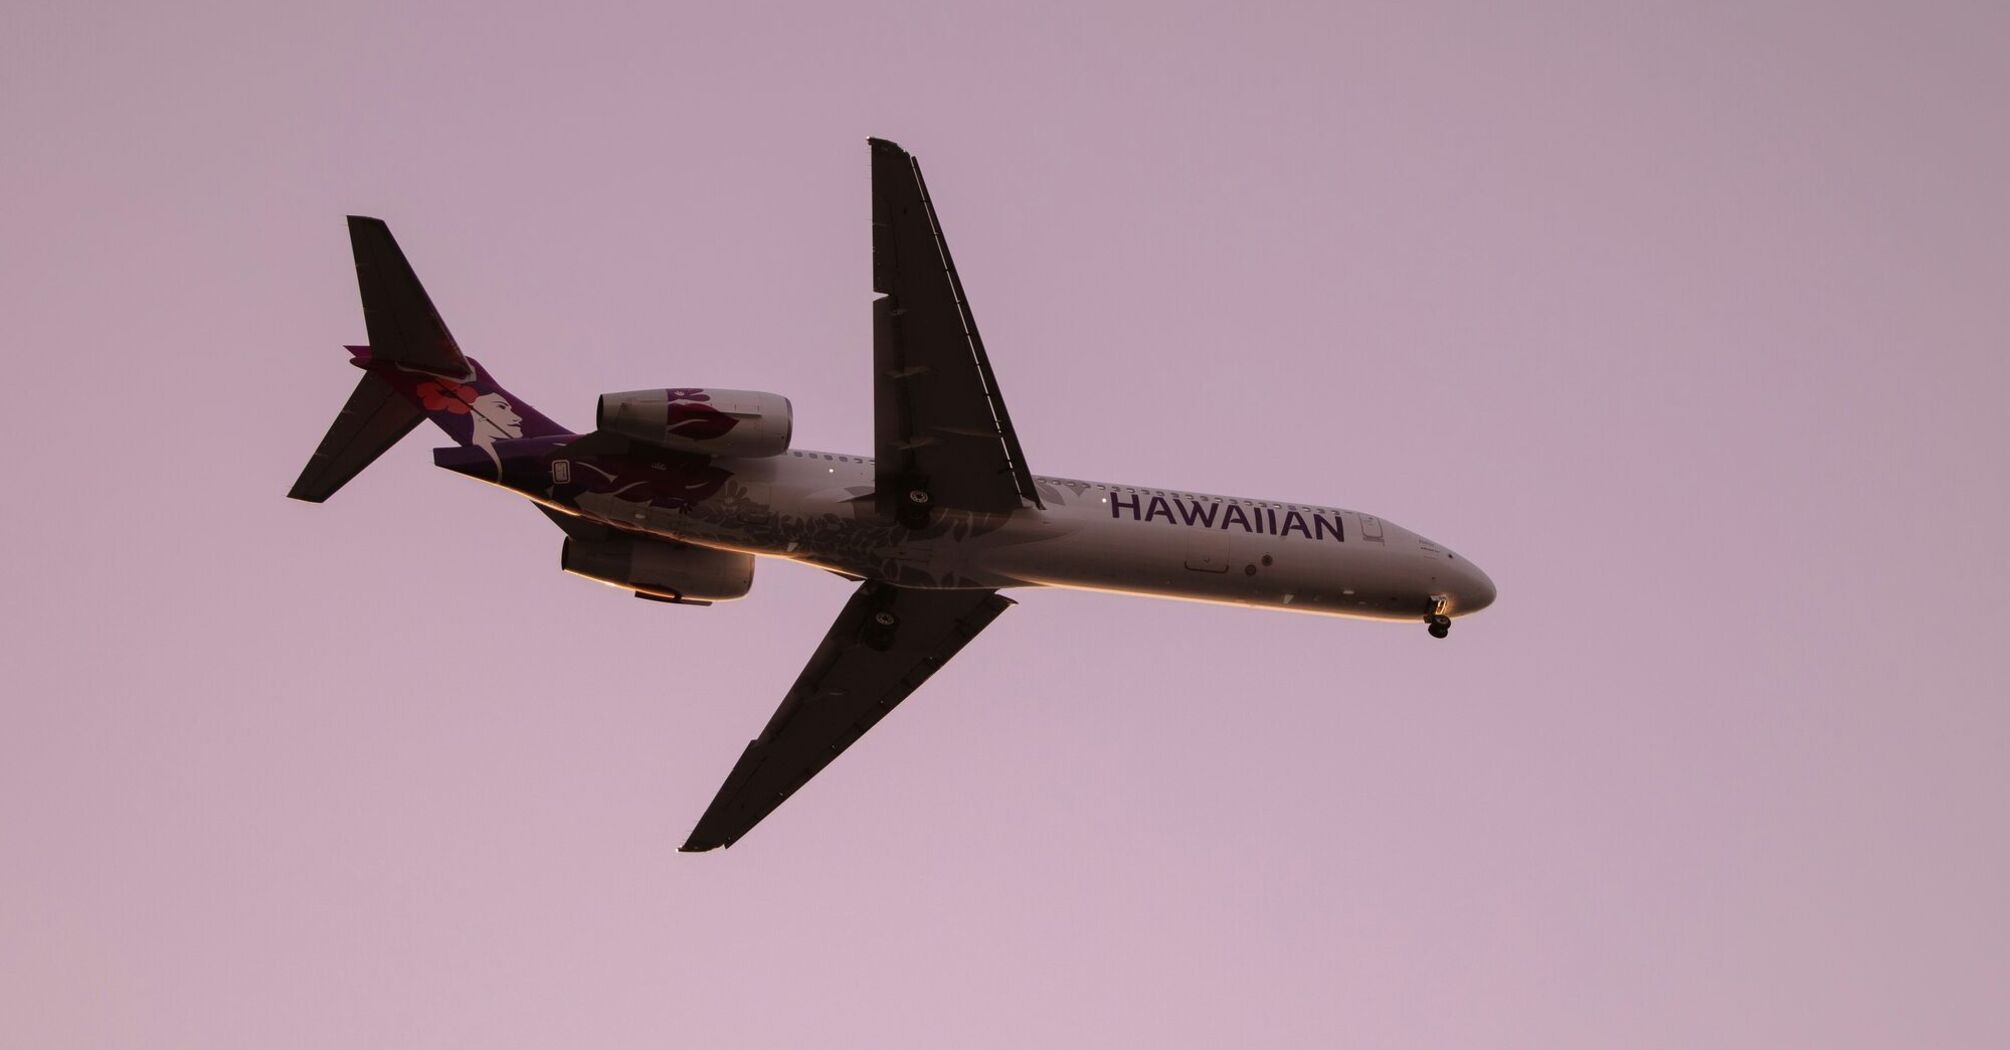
<point>817,508</point>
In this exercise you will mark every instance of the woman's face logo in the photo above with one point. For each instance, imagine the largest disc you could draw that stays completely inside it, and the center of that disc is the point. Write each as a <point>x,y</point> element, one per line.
<point>494,420</point>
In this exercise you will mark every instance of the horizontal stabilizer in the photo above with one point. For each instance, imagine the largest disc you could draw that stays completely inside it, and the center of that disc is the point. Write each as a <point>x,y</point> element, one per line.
<point>373,420</point>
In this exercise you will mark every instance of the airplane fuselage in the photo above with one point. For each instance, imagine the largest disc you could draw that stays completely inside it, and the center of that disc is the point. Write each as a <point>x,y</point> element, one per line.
<point>817,508</point>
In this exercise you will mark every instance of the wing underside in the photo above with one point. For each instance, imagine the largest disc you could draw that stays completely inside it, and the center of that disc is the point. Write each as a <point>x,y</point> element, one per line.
<point>940,425</point>
<point>886,642</point>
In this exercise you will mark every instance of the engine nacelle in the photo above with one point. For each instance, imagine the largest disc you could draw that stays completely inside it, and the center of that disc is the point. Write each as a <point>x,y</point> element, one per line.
<point>701,420</point>
<point>660,569</point>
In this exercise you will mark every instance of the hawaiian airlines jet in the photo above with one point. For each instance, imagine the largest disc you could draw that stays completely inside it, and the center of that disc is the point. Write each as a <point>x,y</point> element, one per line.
<point>675,492</point>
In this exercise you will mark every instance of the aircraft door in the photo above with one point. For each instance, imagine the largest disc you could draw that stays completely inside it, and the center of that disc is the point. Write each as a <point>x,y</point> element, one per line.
<point>1205,550</point>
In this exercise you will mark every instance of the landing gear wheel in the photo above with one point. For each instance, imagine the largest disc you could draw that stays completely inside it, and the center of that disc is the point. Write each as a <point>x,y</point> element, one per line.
<point>1441,625</point>
<point>918,497</point>
<point>885,618</point>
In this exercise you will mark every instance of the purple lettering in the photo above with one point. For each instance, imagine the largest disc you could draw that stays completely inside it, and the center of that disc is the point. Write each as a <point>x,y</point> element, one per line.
<point>1196,511</point>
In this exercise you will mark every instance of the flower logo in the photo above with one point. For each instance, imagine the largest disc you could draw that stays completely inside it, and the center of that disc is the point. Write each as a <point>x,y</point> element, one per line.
<point>445,394</point>
<point>698,422</point>
<point>689,416</point>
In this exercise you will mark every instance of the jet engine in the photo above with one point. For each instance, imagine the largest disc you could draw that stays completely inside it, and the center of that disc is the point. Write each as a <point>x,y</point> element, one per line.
<point>708,422</point>
<point>660,569</point>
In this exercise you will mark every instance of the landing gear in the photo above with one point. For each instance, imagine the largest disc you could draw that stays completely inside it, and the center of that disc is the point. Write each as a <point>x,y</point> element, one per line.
<point>1440,624</point>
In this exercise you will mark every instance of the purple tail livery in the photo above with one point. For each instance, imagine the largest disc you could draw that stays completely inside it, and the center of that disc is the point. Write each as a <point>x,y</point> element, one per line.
<point>412,370</point>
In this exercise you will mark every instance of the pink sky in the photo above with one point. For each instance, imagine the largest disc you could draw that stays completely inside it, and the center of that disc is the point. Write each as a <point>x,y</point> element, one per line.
<point>1688,326</point>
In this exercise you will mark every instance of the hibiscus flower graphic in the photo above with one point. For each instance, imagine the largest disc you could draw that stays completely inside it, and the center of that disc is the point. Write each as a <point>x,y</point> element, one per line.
<point>698,422</point>
<point>688,416</point>
<point>439,394</point>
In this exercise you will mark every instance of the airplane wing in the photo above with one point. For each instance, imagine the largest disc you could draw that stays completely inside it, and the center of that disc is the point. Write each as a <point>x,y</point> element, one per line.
<point>885,643</point>
<point>940,430</point>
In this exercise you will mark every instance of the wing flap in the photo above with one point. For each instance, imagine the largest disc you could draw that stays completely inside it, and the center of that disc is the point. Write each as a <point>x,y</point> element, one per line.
<point>861,671</point>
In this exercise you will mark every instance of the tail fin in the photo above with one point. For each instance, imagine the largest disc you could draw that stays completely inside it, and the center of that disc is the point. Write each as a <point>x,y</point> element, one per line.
<point>412,370</point>
<point>404,327</point>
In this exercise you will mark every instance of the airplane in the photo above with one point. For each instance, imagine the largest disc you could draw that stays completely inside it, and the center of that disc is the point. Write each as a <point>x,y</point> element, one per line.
<point>676,491</point>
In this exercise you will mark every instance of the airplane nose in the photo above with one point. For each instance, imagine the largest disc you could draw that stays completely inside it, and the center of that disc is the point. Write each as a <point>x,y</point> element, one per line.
<point>1474,591</point>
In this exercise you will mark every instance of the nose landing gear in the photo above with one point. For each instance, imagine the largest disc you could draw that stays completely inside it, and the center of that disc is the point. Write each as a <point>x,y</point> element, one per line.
<point>1440,624</point>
